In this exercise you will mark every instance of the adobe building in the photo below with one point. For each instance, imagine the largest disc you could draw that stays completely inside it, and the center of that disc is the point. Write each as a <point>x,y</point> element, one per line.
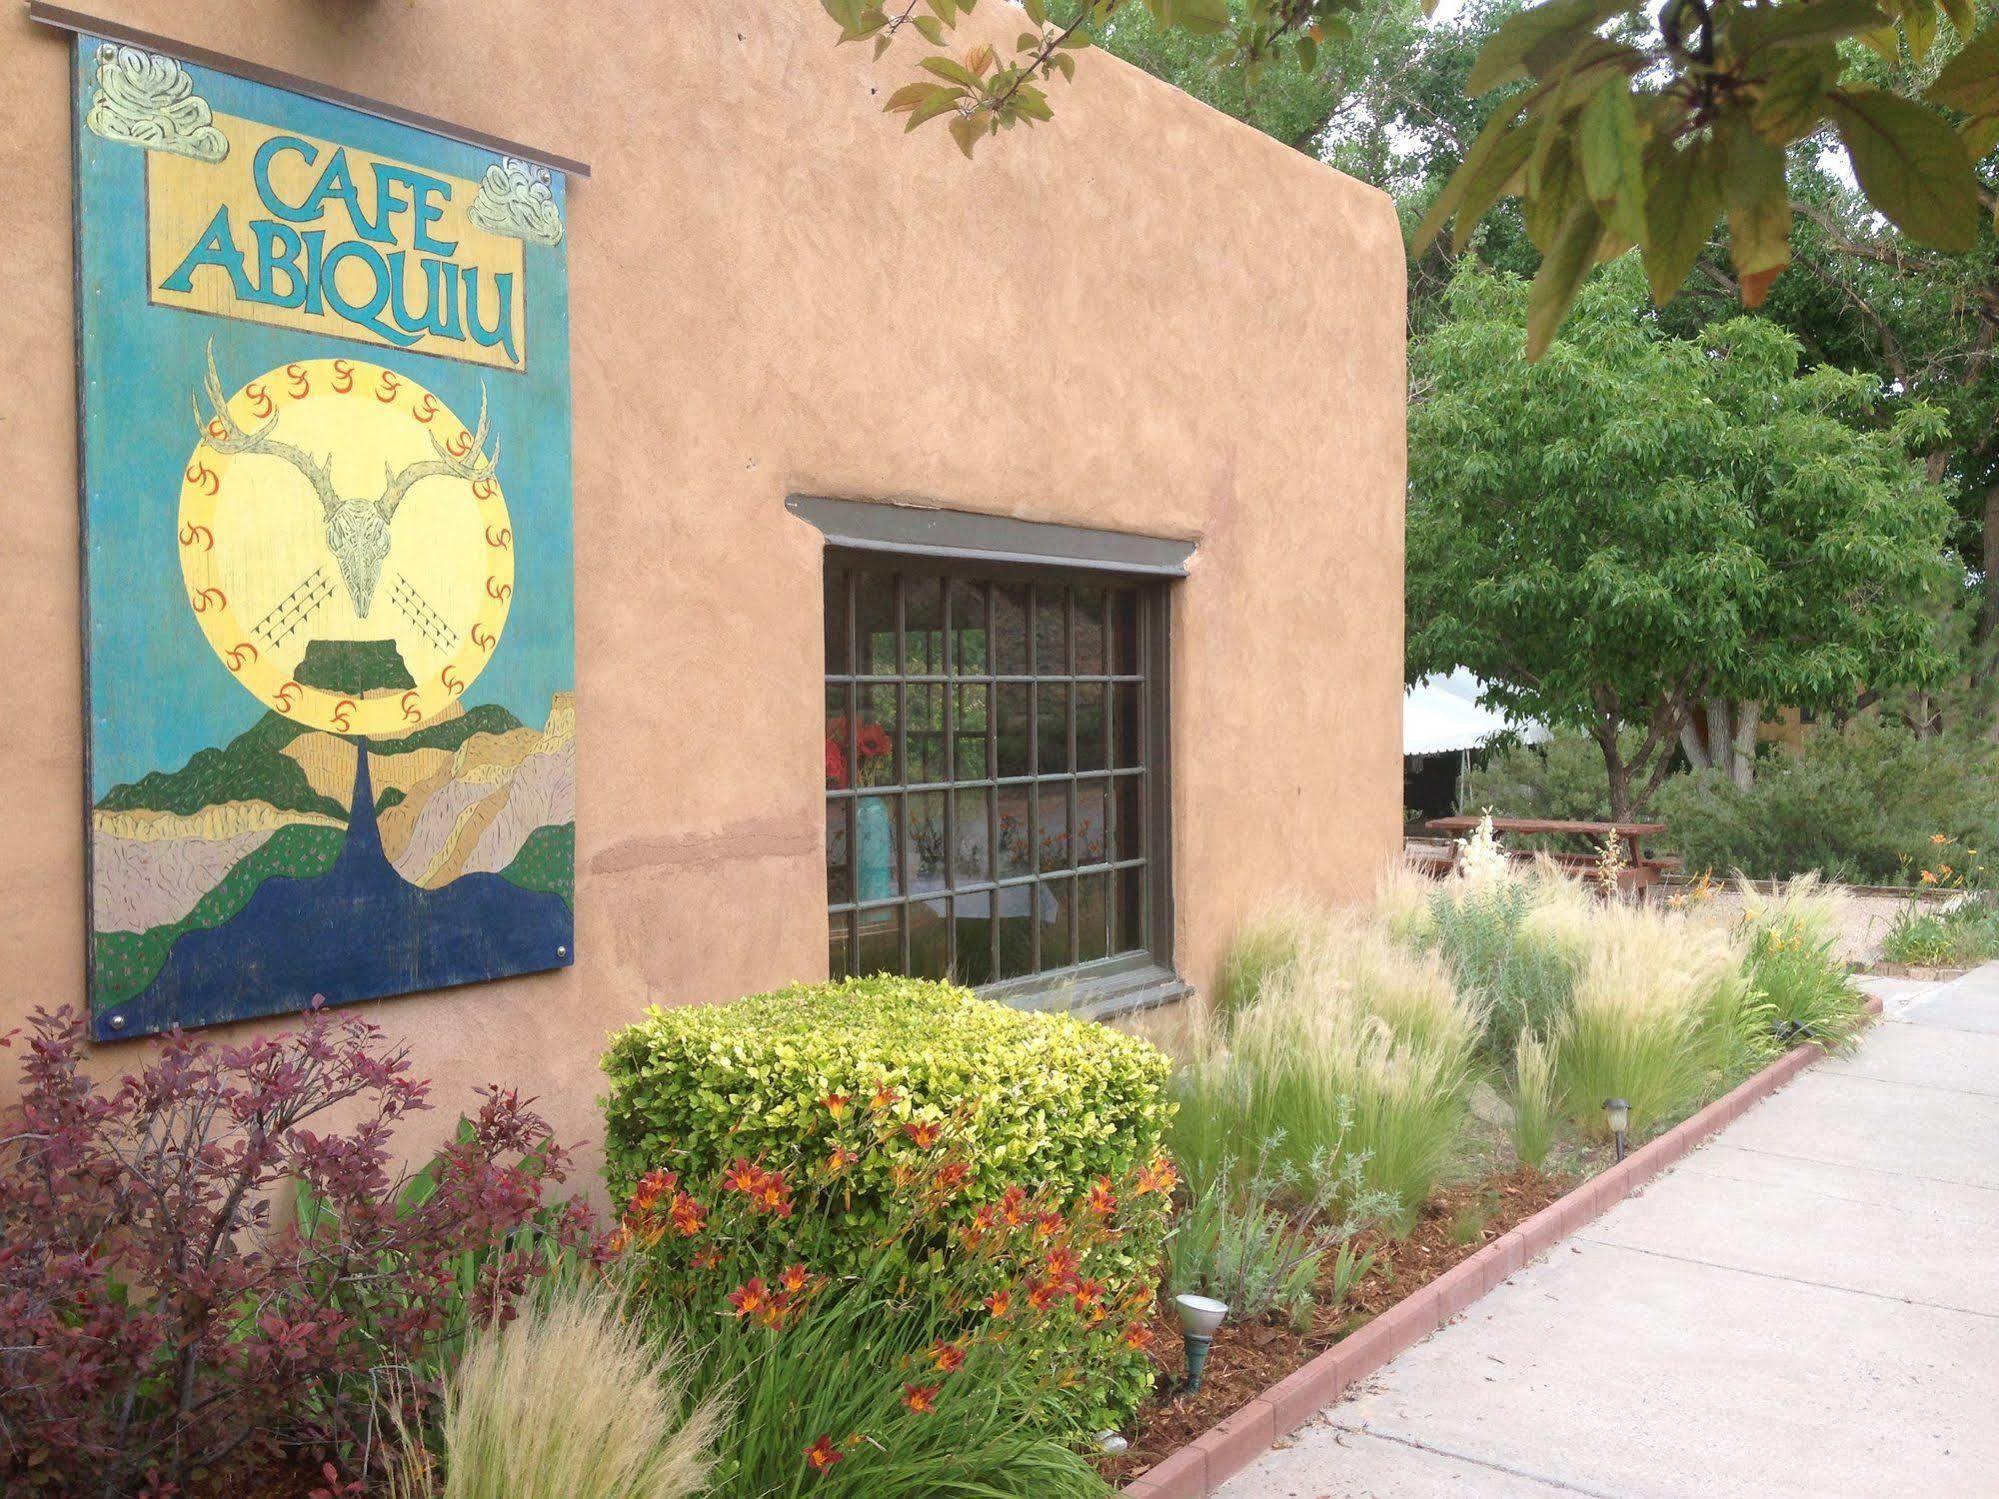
<point>984,567</point>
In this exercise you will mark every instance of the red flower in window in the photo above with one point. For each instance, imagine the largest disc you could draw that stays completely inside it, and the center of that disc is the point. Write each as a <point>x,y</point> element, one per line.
<point>836,767</point>
<point>872,742</point>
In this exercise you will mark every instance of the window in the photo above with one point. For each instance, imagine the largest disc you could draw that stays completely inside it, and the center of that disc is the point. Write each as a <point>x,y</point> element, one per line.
<point>995,795</point>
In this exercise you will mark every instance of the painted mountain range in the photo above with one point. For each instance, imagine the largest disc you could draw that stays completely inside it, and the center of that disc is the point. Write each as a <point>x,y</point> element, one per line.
<point>475,800</point>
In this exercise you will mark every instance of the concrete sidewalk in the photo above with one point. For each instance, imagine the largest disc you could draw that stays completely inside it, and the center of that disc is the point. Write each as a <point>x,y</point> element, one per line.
<point>1807,1305</point>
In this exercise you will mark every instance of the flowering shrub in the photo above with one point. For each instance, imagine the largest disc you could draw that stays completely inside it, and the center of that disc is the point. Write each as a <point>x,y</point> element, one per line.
<point>165,1330</point>
<point>1029,1318</point>
<point>912,1135</point>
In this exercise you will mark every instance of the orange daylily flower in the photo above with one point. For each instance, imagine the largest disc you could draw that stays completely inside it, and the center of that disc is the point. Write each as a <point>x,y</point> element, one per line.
<point>822,1454</point>
<point>951,1175</point>
<point>742,1176</point>
<point>688,1216</point>
<point>999,1303</point>
<point>948,1357</point>
<point>749,1296</point>
<point>921,1398</point>
<point>795,1278</point>
<point>836,1104</point>
<point>1138,1336</point>
<point>1102,1199</point>
<point>885,1098</point>
<point>707,1259</point>
<point>924,1134</point>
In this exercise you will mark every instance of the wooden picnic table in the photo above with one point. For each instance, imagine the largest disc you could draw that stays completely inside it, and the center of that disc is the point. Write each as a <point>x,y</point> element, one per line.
<point>1641,871</point>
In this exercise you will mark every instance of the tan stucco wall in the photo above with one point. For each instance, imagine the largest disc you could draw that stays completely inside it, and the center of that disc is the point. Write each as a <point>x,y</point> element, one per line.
<point>1189,330</point>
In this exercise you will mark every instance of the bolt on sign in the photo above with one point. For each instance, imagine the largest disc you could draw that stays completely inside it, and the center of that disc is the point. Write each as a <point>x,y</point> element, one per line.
<point>327,559</point>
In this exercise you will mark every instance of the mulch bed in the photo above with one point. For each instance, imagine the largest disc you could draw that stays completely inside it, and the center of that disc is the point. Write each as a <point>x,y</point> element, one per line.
<point>1247,1359</point>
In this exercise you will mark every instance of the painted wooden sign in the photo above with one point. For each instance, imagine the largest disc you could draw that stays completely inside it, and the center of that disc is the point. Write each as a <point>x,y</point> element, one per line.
<point>327,561</point>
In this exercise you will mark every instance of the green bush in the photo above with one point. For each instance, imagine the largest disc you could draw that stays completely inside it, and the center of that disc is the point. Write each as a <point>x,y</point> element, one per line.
<point>880,1075</point>
<point>1560,777</point>
<point>1962,936</point>
<point>1859,805</point>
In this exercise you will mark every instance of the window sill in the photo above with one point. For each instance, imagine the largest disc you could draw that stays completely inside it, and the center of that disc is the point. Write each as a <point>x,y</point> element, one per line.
<point>1121,990</point>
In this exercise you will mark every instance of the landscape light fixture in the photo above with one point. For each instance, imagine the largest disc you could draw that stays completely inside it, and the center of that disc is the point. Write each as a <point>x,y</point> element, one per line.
<point>1200,1316</point>
<point>1617,1114</point>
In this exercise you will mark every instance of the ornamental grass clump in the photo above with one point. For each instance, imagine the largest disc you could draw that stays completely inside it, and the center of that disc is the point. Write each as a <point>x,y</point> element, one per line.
<point>1792,935</point>
<point>1357,1047</point>
<point>572,1400</point>
<point>1659,1004</point>
<point>1534,1113</point>
<point>1521,978</point>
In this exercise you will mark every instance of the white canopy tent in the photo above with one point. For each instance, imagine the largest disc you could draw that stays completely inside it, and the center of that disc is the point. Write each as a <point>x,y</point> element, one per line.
<point>1441,715</point>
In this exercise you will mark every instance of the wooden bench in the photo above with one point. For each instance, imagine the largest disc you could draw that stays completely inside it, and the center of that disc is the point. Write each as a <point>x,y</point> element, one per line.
<point>1641,871</point>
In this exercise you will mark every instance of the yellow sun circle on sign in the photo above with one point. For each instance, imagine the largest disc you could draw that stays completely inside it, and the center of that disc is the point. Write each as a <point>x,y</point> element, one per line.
<point>345,544</point>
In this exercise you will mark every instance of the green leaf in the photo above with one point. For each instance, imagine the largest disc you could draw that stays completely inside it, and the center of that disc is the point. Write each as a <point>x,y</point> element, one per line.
<point>1475,170</point>
<point>1612,161</point>
<point>1547,31</point>
<point>965,131</point>
<point>931,28</point>
<point>1561,276</point>
<point>1308,54</point>
<point>1754,193</point>
<point>1682,201</point>
<point>950,69</point>
<point>1803,25</point>
<point>1919,27</point>
<point>1201,17</point>
<point>1037,11</point>
<point>908,97</point>
<point>1911,165</point>
<point>1970,80</point>
<point>1980,136</point>
<point>940,99</point>
<point>1794,91</point>
<point>1553,186</point>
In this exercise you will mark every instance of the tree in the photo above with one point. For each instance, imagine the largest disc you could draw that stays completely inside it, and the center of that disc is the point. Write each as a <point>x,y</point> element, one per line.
<point>1642,528</point>
<point>1614,128</point>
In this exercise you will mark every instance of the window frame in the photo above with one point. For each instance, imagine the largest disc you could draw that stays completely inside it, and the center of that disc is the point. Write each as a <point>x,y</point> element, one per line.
<point>1101,986</point>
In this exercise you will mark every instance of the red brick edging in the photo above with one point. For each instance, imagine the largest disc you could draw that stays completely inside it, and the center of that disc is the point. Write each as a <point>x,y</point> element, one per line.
<point>1231,1445</point>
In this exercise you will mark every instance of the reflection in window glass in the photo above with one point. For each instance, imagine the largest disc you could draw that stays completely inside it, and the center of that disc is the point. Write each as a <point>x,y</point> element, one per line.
<point>969,733</point>
<point>975,935</point>
<point>922,626</point>
<point>1010,629</point>
<point>1090,659</point>
<point>1014,702</point>
<point>1015,746</point>
<point>1051,735</point>
<point>875,623</point>
<point>968,628</point>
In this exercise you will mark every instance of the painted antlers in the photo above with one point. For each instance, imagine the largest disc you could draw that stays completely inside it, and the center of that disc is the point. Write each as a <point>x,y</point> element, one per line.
<point>221,433</point>
<point>472,464</point>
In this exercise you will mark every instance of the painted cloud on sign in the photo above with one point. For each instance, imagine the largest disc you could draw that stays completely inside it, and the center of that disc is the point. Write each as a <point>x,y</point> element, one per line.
<point>146,100</point>
<point>514,199</point>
